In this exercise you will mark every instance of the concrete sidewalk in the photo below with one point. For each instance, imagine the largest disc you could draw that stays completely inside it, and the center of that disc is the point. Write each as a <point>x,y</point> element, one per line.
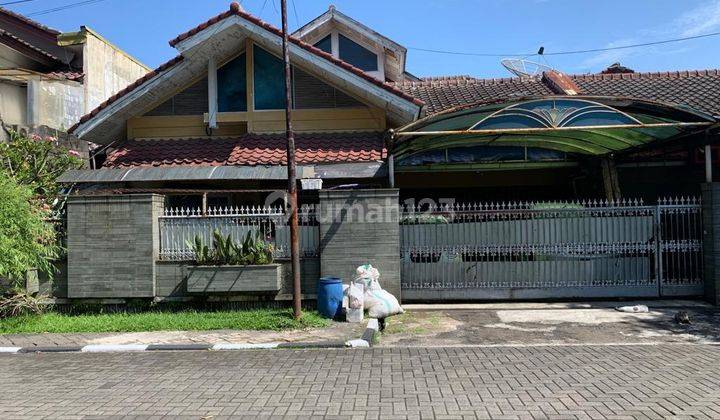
<point>336,332</point>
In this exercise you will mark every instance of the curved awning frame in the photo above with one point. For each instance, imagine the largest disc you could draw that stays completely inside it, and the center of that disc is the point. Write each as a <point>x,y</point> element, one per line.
<point>584,125</point>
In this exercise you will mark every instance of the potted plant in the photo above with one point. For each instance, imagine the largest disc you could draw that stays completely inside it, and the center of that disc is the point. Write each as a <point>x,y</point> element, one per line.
<point>228,266</point>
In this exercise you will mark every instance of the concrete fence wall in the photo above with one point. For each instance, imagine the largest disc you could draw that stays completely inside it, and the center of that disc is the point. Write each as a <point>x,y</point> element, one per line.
<point>114,244</point>
<point>359,227</point>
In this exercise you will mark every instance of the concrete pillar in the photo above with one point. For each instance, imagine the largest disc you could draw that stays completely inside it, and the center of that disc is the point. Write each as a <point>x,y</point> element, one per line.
<point>711,240</point>
<point>358,227</point>
<point>113,243</point>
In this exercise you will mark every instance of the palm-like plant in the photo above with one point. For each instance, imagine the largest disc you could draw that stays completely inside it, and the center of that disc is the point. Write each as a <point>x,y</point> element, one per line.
<point>253,250</point>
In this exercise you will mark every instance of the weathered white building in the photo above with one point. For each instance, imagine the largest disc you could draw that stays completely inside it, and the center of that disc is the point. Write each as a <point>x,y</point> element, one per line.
<point>49,79</point>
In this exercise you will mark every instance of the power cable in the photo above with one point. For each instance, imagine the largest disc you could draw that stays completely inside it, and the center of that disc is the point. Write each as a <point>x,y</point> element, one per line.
<point>15,2</point>
<point>65,7</point>
<point>592,50</point>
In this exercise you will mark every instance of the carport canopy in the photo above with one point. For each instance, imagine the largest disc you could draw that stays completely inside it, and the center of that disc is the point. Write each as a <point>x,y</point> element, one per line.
<point>549,128</point>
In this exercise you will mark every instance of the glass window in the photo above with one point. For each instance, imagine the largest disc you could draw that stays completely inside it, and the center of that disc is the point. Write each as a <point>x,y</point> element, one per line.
<point>232,86</point>
<point>325,44</point>
<point>357,55</point>
<point>269,79</point>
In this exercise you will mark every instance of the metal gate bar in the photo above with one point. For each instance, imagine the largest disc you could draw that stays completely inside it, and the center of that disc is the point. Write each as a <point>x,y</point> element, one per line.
<point>546,250</point>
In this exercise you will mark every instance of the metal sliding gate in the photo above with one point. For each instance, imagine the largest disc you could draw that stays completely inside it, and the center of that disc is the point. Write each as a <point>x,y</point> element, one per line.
<point>552,250</point>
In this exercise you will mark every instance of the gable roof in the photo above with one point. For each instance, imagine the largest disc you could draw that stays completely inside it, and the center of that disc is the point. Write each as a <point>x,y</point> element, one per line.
<point>155,81</point>
<point>698,89</point>
<point>249,150</point>
<point>235,10</point>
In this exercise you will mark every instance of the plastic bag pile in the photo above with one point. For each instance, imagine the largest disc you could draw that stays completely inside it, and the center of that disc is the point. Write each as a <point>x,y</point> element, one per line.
<point>365,294</point>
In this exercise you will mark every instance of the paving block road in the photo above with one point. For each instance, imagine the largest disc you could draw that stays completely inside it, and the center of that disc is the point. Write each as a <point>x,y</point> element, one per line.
<point>596,381</point>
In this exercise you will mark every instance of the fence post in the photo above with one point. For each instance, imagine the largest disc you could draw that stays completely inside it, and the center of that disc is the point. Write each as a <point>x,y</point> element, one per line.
<point>359,227</point>
<point>711,240</point>
<point>113,245</point>
<point>658,249</point>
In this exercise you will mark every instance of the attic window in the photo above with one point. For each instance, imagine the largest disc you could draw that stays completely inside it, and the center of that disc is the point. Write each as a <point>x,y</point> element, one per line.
<point>357,55</point>
<point>269,80</point>
<point>325,44</point>
<point>232,79</point>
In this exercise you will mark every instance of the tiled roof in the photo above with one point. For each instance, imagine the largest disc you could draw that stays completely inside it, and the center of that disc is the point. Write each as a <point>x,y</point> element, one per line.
<point>22,43</point>
<point>441,93</point>
<point>30,22</point>
<point>698,89</point>
<point>65,75</point>
<point>250,150</point>
<point>236,10</point>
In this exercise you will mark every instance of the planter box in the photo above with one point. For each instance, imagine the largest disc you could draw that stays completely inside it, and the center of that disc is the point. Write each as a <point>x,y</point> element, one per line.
<point>233,278</point>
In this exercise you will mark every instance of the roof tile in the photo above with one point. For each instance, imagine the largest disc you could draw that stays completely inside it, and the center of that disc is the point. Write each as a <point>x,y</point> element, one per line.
<point>249,150</point>
<point>441,93</point>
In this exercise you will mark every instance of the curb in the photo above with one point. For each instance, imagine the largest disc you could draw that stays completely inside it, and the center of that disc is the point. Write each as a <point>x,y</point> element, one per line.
<point>368,335</point>
<point>365,341</point>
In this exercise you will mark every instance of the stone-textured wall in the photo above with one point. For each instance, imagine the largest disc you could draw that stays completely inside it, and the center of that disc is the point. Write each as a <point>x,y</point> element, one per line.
<point>358,227</point>
<point>113,245</point>
<point>711,240</point>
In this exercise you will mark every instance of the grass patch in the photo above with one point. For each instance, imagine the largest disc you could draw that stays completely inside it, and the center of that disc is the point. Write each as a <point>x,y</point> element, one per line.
<point>260,319</point>
<point>411,323</point>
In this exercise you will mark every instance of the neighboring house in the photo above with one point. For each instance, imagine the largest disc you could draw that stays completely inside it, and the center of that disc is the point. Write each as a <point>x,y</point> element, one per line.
<point>49,79</point>
<point>205,132</point>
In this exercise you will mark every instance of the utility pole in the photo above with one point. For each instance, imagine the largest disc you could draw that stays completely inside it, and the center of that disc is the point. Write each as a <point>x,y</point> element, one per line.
<point>292,182</point>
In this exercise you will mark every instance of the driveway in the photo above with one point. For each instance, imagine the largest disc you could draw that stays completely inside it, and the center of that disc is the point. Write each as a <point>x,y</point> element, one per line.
<point>543,324</point>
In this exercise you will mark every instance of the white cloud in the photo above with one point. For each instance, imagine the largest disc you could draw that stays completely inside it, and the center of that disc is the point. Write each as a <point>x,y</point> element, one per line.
<point>700,20</point>
<point>697,21</point>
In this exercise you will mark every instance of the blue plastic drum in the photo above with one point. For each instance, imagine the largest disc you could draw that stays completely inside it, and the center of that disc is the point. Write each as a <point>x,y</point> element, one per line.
<point>329,296</point>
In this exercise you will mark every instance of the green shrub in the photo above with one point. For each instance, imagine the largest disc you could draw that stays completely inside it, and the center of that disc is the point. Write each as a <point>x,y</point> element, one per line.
<point>27,240</point>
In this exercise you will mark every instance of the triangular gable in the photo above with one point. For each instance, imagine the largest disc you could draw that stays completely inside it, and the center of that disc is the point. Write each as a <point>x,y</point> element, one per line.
<point>219,38</point>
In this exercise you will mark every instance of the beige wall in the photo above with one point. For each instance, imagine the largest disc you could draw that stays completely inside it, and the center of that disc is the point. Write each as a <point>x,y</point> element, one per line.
<point>54,103</point>
<point>107,70</point>
<point>13,103</point>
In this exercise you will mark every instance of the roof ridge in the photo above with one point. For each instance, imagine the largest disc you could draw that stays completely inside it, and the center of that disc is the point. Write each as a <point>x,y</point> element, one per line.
<point>29,21</point>
<point>649,74</point>
<point>462,79</point>
<point>236,10</point>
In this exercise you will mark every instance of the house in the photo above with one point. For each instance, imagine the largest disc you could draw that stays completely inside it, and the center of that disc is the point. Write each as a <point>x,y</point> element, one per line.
<point>49,79</point>
<point>201,139</point>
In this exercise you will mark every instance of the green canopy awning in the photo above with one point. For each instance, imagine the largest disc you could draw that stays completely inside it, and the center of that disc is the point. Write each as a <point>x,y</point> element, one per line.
<point>567,125</point>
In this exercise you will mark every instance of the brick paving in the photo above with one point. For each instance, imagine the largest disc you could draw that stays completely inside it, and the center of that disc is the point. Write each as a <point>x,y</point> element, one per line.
<point>673,380</point>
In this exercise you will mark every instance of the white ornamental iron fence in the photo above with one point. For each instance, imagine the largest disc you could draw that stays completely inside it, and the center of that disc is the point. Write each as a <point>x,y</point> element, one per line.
<point>624,243</point>
<point>179,226</point>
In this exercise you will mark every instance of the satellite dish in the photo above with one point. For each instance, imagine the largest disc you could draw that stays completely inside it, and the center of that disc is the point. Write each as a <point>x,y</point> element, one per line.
<point>524,68</point>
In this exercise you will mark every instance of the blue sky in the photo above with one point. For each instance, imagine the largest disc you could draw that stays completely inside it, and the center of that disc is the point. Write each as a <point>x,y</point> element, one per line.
<point>143,28</point>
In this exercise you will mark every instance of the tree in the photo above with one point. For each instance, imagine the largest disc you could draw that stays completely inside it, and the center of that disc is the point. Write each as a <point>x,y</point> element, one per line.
<point>27,239</point>
<point>37,162</point>
<point>30,200</point>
